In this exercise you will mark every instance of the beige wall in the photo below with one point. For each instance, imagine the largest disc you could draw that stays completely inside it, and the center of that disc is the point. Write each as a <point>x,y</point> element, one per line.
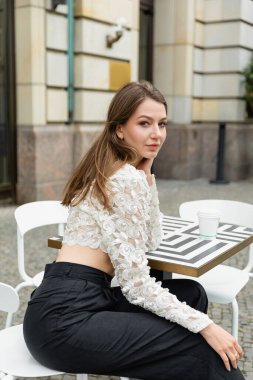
<point>30,63</point>
<point>42,80</point>
<point>201,48</point>
<point>173,55</point>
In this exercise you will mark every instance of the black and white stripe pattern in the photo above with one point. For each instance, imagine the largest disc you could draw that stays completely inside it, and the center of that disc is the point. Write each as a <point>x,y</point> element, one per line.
<point>170,223</point>
<point>182,245</point>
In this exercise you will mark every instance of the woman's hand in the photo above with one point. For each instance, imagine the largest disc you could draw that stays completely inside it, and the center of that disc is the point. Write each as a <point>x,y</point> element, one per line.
<point>223,343</point>
<point>145,165</point>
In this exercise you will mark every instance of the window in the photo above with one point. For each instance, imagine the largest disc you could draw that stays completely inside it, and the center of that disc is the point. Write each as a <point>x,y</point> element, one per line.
<point>146,40</point>
<point>7,101</point>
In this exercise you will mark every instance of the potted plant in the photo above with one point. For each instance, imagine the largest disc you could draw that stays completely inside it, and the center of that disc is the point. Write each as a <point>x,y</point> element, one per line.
<point>248,80</point>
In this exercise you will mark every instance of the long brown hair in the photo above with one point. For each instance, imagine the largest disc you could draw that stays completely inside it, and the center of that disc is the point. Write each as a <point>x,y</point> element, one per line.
<point>109,152</point>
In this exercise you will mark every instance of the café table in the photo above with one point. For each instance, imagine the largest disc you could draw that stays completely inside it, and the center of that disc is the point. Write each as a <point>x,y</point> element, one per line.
<point>183,251</point>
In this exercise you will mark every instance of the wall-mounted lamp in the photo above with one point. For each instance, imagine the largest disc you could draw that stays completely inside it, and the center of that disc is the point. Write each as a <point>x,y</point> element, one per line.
<point>55,3</point>
<point>118,31</point>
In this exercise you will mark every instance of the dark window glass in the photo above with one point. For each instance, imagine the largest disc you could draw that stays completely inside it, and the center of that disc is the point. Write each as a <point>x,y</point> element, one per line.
<point>7,100</point>
<point>146,40</point>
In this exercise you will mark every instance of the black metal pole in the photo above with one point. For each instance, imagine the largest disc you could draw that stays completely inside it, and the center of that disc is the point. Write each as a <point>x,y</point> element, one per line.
<point>220,156</point>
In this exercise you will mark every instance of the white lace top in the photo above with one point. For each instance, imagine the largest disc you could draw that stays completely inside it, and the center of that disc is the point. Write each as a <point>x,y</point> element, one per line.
<point>130,229</point>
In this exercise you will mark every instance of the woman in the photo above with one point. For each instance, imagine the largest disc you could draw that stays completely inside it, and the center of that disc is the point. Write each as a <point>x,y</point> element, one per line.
<point>75,322</point>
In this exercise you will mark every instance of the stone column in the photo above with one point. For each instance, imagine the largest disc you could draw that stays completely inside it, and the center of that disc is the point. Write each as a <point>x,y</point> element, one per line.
<point>30,76</point>
<point>173,55</point>
<point>44,143</point>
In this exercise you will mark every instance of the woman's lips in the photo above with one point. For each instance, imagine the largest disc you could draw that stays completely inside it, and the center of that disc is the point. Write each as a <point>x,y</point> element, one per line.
<point>153,146</point>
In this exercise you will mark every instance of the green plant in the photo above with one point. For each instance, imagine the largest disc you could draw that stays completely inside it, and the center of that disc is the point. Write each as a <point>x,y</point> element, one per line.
<point>248,80</point>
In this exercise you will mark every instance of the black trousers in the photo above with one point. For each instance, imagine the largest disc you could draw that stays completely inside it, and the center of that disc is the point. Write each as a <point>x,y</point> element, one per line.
<point>75,322</point>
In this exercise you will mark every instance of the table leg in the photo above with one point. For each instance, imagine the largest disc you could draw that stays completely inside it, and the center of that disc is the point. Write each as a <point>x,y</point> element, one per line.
<point>160,275</point>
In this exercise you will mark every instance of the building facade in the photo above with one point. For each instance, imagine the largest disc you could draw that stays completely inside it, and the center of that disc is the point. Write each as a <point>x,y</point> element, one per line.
<point>68,69</point>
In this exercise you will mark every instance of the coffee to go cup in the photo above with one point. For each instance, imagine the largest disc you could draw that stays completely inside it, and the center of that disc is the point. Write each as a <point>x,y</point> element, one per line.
<point>208,223</point>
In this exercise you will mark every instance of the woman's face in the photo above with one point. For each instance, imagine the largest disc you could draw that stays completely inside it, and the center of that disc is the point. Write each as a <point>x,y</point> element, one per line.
<point>145,130</point>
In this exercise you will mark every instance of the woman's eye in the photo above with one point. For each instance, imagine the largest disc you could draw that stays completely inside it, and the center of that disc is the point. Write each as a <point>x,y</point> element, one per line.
<point>144,123</point>
<point>163,124</point>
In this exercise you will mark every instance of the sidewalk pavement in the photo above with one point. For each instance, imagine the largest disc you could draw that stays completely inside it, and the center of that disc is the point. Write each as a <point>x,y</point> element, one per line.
<point>171,194</point>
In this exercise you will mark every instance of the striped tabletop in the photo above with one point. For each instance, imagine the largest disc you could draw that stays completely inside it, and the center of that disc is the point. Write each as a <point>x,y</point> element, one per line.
<point>183,251</point>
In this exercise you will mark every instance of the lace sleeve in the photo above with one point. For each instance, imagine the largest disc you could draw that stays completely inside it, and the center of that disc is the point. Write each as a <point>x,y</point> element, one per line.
<point>125,239</point>
<point>155,221</point>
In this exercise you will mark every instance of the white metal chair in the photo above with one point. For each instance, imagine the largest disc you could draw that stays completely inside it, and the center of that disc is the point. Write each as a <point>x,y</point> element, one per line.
<point>29,216</point>
<point>32,215</point>
<point>223,283</point>
<point>15,359</point>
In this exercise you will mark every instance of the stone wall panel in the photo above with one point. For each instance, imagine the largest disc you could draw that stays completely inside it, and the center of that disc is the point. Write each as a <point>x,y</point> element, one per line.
<point>45,161</point>
<point>191,152</point>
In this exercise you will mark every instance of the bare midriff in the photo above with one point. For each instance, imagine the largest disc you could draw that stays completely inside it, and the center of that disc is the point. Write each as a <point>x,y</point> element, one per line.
<point>94,258</point>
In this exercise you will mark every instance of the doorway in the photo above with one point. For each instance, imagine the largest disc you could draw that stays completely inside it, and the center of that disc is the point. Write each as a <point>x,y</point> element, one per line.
<point>7,102</point>
<point>146,40</point>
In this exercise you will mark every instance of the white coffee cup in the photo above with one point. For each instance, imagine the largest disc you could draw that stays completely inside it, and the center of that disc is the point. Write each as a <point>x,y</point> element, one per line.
<point>208,223</point>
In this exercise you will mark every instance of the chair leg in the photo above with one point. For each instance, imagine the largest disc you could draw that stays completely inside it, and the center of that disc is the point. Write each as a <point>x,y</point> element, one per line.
<point>235,319</point>
<point>82,376</point>
<point>8,321</point>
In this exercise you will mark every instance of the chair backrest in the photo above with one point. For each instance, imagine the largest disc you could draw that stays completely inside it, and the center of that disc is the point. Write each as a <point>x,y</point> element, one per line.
<point>37,214</point>
<point>234,212</point>
<point>40,213</point>
<point>9,301</point>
